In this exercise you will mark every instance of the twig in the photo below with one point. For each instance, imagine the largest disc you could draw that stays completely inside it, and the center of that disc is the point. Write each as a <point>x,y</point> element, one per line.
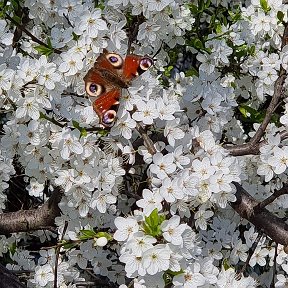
<point>68,20</point>
<point>283,135</point>
<point>23,14</point>
<point>59,245</point>
<point>35,39</point>
<point>52,120</point>
<point>251,252</point>
<point>271,198</point>
<point>99,280</point>
<point>133,34</point>
<point>147,141</point>
<point>272,285</point>
<point>57,252</point>
<point>252,147</point>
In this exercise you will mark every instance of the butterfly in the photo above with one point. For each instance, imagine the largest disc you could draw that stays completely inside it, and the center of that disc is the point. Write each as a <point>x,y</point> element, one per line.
<point>104,81</point>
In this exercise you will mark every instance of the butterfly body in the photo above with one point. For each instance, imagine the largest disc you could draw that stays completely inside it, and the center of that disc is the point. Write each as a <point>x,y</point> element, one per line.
<point>104,81</point>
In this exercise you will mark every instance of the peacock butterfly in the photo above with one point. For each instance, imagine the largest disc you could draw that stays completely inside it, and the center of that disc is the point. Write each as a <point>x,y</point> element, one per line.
<point>104,81</point>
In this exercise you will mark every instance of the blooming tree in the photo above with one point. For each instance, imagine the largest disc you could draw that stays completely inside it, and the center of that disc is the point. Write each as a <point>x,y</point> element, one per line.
<point>188,188</point>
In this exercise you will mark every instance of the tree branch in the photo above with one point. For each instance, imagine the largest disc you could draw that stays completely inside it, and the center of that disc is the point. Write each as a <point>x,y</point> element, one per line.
<point>263,220</point>
<point>270,199</point>
<point>251,252</point>
<point>8,279</point>
<point>35,39</point>
<point>272,285</point>
<point>27,220</point>
<point>148,142</point>
<point>252,147</point>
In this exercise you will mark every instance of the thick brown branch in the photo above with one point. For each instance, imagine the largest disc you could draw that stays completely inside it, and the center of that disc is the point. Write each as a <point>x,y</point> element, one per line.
<point>8,279</point>
<point>27,220</point>
<point>263,220</point>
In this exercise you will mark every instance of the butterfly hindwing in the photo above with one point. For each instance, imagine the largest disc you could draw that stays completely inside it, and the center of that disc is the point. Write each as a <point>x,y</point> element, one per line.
<point>106,106</point>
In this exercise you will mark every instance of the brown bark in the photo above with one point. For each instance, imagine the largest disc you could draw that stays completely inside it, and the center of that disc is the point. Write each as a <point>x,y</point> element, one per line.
<point>34,219</point>
<point>265,221</point>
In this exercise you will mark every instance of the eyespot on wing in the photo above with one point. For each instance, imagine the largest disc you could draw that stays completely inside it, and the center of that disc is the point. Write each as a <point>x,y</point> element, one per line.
<point>114,59</point>
<point>93,89</point>
<point>145,64</point>
<point>109,118</point>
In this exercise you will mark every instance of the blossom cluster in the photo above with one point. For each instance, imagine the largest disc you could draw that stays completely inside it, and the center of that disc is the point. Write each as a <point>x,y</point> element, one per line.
<point>161,209</point>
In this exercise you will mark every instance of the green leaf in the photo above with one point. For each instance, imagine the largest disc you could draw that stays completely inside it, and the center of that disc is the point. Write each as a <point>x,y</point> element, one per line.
<point>265,6</point>
<point>201,5</point>
<point>42,115</point>
<point>250,114</point>
<point>12,248</point>
<point>235,15</point>
<point>103,132</point>
<point>193,8</point>
<point>280,16</point>
<point>15,4</point>
<point>147,229</point>
<point>70,245</point>
<point>243,111</point>
<point>75,36</point>
<point>174,273</point>
<point>87,234</point>
<point>83,132</point>
<point>104,234</point>
<point>191,72</point>
<point>152,223</point>
<point>225,264</point>
<point>243,50</point>
<point>167,71</point>
<point>252,50</point>
<point>198,44</point>
<point>100,4</point>
<point>17,19</point>
<point>76,124</point>
<point>207,4</point>
<point>218,28</point>
<point>49,43</point>
<point>168,275</point>
<point>43,50</point>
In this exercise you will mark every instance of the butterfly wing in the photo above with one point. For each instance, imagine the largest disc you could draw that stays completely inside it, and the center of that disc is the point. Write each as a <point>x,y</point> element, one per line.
<point>134,66</point>
<point>104,81</point>
<point>104,95</point>
<point>121,71</point>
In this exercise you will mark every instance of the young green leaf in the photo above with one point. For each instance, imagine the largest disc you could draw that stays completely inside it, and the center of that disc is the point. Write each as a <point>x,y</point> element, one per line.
<point>265,6</point>
<point>104,234</point>
<point>43,50</point>
<point>152,223</point>
<point>87,234</point>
